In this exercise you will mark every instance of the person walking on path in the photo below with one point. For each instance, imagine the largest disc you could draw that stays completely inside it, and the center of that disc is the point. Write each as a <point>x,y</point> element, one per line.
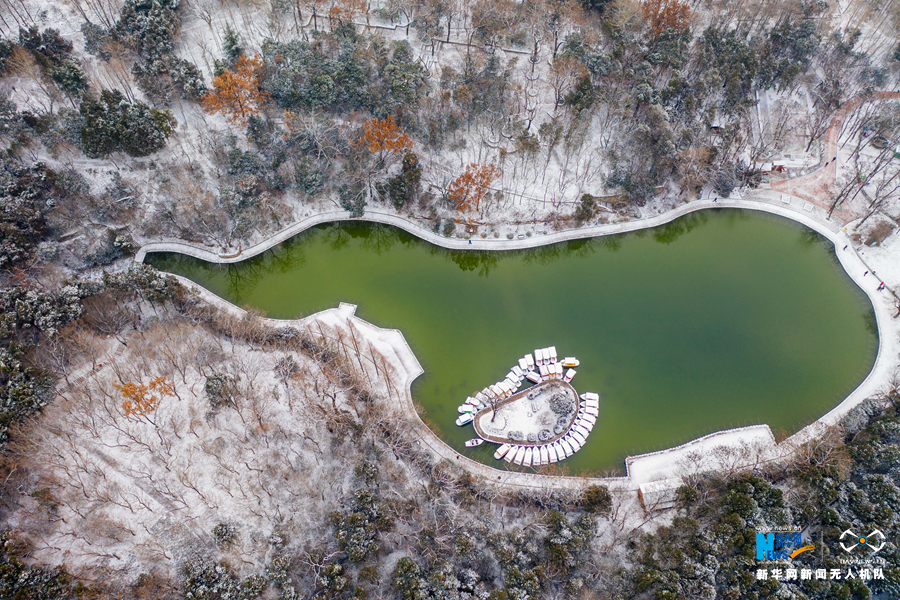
<point>845,246</point>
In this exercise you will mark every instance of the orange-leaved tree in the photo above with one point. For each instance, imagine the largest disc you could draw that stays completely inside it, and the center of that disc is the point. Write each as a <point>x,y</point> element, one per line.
<point>384,136</point>
<point>469,189</point>
<point>346,10</point>
<point>237,93</point>
<point>663,15</point>
<point>141,399</point>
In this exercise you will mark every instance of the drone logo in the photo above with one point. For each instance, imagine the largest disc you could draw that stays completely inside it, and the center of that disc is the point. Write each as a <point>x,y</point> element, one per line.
<point>863,540</point>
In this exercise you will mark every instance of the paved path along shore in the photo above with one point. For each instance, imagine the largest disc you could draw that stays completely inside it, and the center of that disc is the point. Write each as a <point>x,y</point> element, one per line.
<point>732,449</point>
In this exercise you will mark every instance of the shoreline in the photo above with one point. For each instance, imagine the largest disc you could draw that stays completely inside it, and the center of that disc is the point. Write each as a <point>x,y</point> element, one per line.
<point>815,218</point>
<point>665,464</point>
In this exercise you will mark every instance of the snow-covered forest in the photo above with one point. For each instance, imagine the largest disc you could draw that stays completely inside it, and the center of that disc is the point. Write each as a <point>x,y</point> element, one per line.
<point>220,123</point>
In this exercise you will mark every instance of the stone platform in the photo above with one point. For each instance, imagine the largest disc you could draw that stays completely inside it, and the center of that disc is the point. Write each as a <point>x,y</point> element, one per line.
<point>538,415</point>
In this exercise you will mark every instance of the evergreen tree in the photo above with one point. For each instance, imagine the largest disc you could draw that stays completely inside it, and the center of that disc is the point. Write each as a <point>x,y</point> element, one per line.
<point>23,201</point>
<point>111,124</point>
<point>406,75</point>
<point>405,186</point>
<point>150,29</point>
<point>69,77</point>
<point>231,45</point>
<point>48,46</point>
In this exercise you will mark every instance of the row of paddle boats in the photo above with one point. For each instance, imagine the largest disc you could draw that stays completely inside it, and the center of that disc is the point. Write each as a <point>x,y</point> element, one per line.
<point>566,446</point>
<point>541,366</point>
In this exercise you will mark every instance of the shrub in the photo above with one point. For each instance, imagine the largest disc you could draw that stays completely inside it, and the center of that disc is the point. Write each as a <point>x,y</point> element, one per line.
<point>20,580</point>
<point>206,580</point>
<point>48,46</point>
<point>146,280</point>
<point>582,97</point>
<point>357,531</point>
<point>150,27</point>
<point>404,187</point>
<point>367,471</point>
<point>24,314</point>
<point>725,182</point>
<point>562,404</point>
<point>353,200</point>
<point>221,389</point>
<point>24,199</point>
<point>112,247</point>
<point>596,499</point>
<point>308,177</point>
<point>231,45</point>
<point>566,541</point>
<point>224,534</point>
<point>449,228</point>
<point>48,251</point>
<point>159,78</point>
<point>96,39</point>
<point>244,162</point>
<point>586,208</point>
<point>25,390</point>
<point>69,77</point>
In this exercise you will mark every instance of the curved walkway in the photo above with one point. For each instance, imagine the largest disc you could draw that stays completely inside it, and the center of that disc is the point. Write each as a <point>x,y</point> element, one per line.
<point>732,449</point>
<point>816,186</point>
<point>228,256</point>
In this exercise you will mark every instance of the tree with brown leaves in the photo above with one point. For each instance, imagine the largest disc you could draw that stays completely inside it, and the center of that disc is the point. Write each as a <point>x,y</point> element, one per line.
<point>385,136</point>
<point>344,11</point>
<point>470,188</point>
<point>141,399</point>
<point>237,93</point>
<point>664,15</point>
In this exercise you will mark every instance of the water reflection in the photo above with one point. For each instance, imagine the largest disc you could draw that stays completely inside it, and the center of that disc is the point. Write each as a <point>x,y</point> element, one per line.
<point>871,323</point>
<point>668,233</point>
<point>544,255</point>
<point>481,260</point>
<point>378,239</point>
<point>611,243</point>
<point>336,236</point>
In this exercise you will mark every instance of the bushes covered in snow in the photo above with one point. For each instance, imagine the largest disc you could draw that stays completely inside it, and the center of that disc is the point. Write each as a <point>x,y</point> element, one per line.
<point>25,197</point>
<point>19,580</point>
<point>358,529</point>
<point>111,124</point>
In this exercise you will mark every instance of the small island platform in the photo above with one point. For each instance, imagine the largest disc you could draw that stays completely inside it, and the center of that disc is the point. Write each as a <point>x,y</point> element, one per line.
<point>539,415</point>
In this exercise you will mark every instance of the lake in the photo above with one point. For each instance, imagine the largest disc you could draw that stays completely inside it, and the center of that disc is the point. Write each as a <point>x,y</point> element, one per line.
<point>719,319</point>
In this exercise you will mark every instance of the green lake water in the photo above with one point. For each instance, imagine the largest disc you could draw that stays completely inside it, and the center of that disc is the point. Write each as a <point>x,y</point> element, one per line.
<point>719,319</point>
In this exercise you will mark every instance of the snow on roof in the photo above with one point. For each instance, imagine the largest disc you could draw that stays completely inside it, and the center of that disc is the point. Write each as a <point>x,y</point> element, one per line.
<point>659,494</point>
